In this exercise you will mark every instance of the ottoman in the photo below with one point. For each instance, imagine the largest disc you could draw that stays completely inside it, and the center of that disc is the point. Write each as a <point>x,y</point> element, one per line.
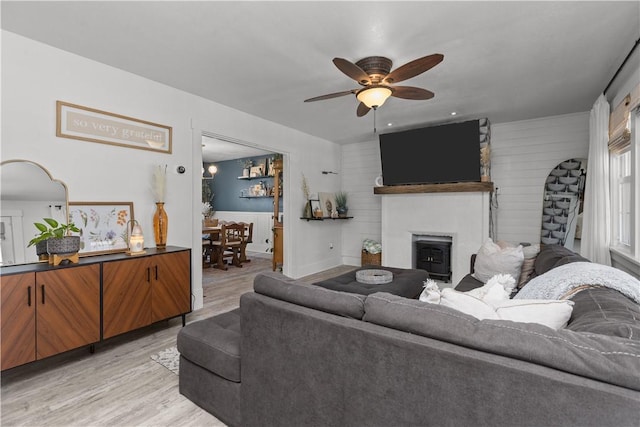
<point>406,282</point>
<point>210,365</point>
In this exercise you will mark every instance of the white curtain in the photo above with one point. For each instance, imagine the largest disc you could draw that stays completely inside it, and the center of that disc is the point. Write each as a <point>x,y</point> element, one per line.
<point>596,223</point>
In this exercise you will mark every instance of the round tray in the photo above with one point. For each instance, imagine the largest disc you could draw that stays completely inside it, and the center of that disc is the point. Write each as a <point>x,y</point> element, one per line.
<point>374,277</point>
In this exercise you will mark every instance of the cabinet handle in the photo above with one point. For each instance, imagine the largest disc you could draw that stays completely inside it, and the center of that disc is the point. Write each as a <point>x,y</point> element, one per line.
<point>156,272</point>
<point>148,274</point>
<point>42,288</point>
<point>29,296</point>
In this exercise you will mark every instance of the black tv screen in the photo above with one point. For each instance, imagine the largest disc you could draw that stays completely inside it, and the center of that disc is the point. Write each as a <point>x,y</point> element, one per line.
<point>432,155</point>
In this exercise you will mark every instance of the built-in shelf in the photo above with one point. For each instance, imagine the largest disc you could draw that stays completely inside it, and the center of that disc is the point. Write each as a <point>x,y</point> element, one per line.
<point>455,187</point>
<point>249,178</point>
<point>256,197</point>
<point>325,218</point>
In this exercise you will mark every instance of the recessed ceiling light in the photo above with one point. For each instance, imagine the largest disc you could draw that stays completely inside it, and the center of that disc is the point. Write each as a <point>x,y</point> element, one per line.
<point>453,113</point>
<point>389,124</point>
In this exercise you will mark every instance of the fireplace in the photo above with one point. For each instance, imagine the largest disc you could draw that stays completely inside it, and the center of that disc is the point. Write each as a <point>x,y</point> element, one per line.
<point>433,254</point>
<point>406,218</point>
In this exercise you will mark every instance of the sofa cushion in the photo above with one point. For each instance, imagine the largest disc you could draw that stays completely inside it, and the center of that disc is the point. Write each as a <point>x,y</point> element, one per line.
<point>468,283</point>
<point>609,359</point>
<point>279,286</point>
<point>214,344</point>
<point>406,282</point>
<point>552,256</point>
<point>605,311</point>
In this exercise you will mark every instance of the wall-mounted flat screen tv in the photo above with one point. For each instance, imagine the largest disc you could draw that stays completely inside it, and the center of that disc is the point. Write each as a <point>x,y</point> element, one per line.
<point>432,155</point>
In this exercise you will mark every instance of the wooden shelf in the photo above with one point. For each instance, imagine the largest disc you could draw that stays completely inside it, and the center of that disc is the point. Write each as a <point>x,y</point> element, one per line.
<point>249,178</point>
<point>325,217</point>
<point>256,197</point>
<point>455,187</point>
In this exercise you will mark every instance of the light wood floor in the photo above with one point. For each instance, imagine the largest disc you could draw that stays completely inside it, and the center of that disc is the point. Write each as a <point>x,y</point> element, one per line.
<point>119,385</point>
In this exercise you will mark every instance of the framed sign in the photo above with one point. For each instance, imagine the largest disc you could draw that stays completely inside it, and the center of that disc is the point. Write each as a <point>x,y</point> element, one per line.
<point>103,225</point>
<point>89,124</point>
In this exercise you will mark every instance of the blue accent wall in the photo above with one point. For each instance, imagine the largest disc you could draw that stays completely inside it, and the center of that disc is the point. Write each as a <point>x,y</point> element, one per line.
<point>227,188</point>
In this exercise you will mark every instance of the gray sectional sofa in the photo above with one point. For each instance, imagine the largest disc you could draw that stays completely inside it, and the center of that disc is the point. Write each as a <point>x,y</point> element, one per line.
<point>302,355</point>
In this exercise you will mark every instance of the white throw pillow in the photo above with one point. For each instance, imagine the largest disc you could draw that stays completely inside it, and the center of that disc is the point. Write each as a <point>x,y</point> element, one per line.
<point>492,302</point>
<point>552,313</point>
<point>468,304</point>
<point>491,260</point>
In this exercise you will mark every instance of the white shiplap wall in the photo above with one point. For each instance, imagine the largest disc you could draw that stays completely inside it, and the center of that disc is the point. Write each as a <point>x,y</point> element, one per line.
<point>522,155</point>
<point>360,167</point>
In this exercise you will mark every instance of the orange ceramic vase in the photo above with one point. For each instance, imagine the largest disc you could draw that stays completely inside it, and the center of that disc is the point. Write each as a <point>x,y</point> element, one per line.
<point>160,226</point>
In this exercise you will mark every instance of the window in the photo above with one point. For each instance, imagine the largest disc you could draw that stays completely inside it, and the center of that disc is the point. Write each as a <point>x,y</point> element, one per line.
<point>625,182</point>
<point>621,192</point>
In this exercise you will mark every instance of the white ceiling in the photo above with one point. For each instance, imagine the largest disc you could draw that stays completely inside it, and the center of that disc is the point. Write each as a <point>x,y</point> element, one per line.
<point>218,150</point>
<point>502,60</point>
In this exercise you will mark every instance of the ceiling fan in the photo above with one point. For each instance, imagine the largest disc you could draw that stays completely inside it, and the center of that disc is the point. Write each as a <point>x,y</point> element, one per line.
<point>375,75</point>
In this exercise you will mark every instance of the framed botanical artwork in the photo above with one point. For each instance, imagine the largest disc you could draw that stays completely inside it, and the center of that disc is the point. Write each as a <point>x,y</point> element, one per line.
<point>327,203</point>
<point>103,226</point>
<point>88,124</point>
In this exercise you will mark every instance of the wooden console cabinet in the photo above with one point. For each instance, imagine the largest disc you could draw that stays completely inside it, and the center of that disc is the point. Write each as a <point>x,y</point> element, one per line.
<point>47,310</point>
<point>141,291</point>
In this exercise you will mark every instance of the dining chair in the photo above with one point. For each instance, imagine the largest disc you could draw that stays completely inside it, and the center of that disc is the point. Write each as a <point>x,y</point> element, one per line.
<point>235,239</point>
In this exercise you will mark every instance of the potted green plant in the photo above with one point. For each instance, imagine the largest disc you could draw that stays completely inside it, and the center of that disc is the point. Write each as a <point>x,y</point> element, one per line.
<point>55,238</point>
<point>341,204</point>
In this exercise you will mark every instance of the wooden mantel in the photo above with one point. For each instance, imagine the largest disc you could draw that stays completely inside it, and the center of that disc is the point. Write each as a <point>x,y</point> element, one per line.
<point>456,187</point>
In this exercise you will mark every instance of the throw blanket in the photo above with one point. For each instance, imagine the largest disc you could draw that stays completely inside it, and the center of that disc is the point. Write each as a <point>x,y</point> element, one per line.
<point>555,283</point>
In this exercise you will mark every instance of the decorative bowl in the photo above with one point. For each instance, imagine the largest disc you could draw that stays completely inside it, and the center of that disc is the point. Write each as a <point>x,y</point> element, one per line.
<point>568,179</point>
<point>546,218</point>
<point>559,172</point>
<point>558,234</point>
<point>556,187</point>
<point>574,188</point>
<point>551,226</point>
<point>544,233</point>
<point>575,172</point>
<point>562,205</point>
<point>570,165</point>
<point>547,203</point>
<point>549,240</point>
<point>552,179</point>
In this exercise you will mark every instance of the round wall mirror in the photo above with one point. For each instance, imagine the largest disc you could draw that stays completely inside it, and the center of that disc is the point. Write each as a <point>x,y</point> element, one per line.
<point>28,194</point>
<point>563,203</point>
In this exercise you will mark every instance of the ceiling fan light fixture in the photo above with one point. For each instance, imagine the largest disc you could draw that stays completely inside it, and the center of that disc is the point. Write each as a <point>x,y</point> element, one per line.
<point>374,97</point>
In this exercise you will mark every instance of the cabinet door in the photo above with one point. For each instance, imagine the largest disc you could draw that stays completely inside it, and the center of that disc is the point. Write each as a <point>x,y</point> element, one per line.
<point>126,296</point>
<point>171,290</point>
<point>68,313</point>
<point>18,320</point>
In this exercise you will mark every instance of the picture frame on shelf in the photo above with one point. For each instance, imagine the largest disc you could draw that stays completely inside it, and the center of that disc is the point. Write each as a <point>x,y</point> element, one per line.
<point>315,207</point>
<point>256,171</point>
<point>103,226</point>
<point>327,203</point>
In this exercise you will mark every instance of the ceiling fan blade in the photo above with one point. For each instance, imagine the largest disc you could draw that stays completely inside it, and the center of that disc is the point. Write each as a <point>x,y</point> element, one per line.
<point>331,95</point>
<point>362,109</point>
<point>352,70</point>
<point>413,68</point>
<point>410,92</point>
